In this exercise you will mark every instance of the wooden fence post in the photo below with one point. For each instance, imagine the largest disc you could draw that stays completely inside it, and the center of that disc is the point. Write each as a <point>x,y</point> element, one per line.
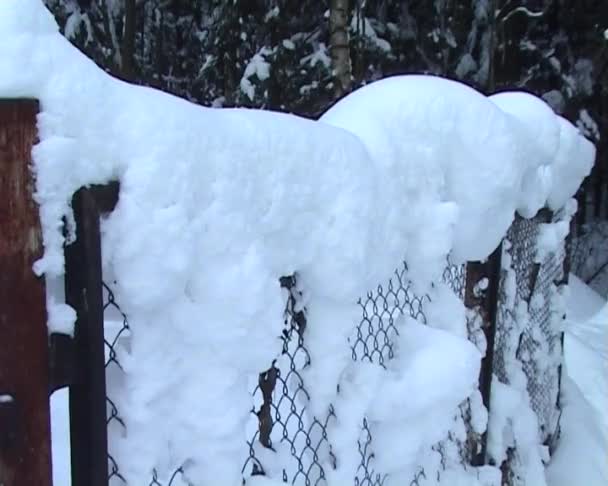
<point>24,373</point>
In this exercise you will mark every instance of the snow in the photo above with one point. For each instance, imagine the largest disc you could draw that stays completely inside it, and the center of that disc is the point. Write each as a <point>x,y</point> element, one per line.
<point>61,317</point>
<point>514,424</point>
<point>570,175</point>
<point>587,358</point>
<point>257,66</point>
<point>400,119</point>
<point>551,237</point>
<point>4,398</point>
<point>400,399</point>
<point>361,25</point>
<point>217,204</point>
<point>580,457</point>
<point>587,125</point>
<point>541,128</point>
<point>553,143</point>
<point>582,301</point>
<point>60,438</point>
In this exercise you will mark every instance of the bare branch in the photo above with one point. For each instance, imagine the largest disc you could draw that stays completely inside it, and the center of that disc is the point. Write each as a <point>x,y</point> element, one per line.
<point>523,10</point>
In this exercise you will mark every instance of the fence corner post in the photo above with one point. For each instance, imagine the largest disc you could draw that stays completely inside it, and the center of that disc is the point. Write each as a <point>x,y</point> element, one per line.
<point>25,452</point>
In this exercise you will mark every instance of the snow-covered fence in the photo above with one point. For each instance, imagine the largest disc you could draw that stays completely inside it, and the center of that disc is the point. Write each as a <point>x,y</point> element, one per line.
<point>283,422</point>
<point>528,350</point>
<point>288,436</point>
<point>217,205</point>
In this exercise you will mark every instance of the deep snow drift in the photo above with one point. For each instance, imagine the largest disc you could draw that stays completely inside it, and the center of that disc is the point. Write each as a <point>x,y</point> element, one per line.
<point>216,205</point>
<point>580,457</point>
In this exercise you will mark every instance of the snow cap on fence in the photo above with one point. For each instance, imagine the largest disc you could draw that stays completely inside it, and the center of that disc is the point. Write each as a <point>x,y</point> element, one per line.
<point>537,126</point>
<point>489,156</point>
<point>561,156</point>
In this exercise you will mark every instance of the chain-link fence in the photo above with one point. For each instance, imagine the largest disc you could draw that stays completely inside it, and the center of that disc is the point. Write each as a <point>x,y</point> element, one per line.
<point>589,255</point>
<point>117,334</point>
<point>373,341</point>
<point>285,424</point>
<point>284,419</point>
<point>529,326</point>
<point>284,395</point>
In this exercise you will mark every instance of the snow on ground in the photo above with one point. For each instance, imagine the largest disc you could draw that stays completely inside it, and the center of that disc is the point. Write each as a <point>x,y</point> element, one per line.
<point>581,455</point>
<point>217,204</point>
<point>60,438</point>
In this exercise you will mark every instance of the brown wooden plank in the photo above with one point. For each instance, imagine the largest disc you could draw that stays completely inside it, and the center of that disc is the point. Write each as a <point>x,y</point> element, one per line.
<point>25,450</point>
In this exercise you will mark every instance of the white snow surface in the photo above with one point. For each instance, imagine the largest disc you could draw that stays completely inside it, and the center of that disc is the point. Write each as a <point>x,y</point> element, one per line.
<point>217,204</point>
<point>580,457</point>
<point>477,156</point>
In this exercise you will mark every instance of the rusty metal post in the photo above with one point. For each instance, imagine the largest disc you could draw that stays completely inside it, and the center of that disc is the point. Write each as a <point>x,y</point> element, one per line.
<point>24,374</point>
<point>486,303</point>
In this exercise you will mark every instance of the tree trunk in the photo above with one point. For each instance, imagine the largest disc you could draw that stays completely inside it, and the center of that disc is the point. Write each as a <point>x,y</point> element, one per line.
<point>340,50</point>
<point>128,41</point>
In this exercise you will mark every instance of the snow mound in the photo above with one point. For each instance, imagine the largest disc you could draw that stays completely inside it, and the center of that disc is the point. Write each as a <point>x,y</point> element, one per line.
<point>488,157</point>
<point>580,457</point>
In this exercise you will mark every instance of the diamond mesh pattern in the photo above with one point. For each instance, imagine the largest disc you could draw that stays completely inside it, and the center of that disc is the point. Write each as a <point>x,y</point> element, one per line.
<point>529,326</point>
<point>284,418</point>
<point>286,425</point>
<point>119,328</point>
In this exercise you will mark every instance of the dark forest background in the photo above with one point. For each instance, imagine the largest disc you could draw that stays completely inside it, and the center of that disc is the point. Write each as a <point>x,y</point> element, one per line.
<point>299,56</point>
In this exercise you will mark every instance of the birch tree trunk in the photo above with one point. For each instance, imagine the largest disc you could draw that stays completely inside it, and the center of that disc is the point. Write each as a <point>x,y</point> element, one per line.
<point>339,46</point>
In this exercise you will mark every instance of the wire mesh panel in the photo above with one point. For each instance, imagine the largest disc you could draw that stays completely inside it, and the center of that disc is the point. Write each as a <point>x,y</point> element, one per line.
<point>295,444</point>
<point>286,425</point>
<point>529,323</point>
<point>116,328</point>
<point>541,344</point>
<point>117,334</point>
<point>373,342</point>
<point>457,449</point>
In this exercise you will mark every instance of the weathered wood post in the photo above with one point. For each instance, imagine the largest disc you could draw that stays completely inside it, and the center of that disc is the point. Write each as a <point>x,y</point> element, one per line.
<point>24,373</point>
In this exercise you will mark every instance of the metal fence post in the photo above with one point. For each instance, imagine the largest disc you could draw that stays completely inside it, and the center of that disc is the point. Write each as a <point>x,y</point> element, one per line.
<point>24,375</point>
<point>84,292</point>
<point>486,303</point>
